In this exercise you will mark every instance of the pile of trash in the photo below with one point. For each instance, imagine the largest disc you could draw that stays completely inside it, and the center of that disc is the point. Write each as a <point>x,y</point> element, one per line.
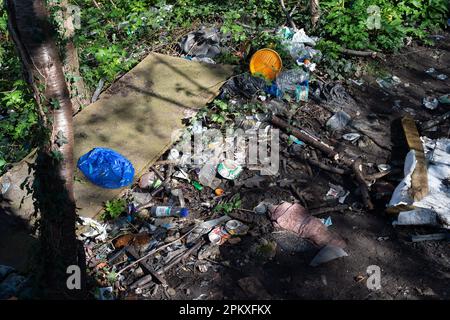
<point>188,205</point>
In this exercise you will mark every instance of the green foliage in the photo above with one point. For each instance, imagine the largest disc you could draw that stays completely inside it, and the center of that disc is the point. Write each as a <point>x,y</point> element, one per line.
<point>346,22</point>
<point>113,209</point>
<point>228,207</point>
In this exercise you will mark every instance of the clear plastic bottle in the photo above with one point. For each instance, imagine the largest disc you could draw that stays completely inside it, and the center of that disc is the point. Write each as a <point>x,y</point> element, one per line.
<point>207,175</point>
<point>288,80</point>
<point>166,211</point>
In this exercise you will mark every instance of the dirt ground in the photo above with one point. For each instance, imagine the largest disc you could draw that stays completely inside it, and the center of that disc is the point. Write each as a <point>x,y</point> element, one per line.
<point>281,262</point>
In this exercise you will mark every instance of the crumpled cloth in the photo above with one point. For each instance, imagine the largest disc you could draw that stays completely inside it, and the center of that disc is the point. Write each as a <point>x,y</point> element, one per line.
<point>296,218</point>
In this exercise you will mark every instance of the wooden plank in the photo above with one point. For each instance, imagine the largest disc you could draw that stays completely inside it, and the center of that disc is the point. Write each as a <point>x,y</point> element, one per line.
<point>419,178</point>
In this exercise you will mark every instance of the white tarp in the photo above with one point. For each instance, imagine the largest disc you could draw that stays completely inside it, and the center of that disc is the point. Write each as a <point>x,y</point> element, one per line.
<point>433,209</point>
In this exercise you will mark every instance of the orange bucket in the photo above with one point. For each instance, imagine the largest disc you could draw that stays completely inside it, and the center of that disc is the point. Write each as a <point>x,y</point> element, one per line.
<point>266,62</point>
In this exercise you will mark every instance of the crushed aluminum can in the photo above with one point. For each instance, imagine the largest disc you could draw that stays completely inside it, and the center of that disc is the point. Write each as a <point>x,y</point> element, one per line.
<point>236,228</point>
<point>219,235</point>
<point>229,169</point>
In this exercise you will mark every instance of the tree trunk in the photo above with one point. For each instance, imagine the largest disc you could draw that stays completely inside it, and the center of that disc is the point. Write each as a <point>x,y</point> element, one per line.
<point>79,93</point>
<point>315,12</point>
<point>30,28</point>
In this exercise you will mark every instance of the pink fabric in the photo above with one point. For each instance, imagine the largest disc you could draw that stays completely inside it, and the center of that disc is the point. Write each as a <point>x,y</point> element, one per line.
<point>296,218</point>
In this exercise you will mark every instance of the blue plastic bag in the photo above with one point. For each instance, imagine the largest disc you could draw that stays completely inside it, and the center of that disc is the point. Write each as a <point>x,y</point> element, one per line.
<point>106,168</point>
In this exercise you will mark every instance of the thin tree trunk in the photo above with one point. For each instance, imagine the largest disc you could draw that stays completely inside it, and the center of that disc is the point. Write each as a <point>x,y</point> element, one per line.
<point>29,26</point>
<point>79,93</point>
<point>315,12</point>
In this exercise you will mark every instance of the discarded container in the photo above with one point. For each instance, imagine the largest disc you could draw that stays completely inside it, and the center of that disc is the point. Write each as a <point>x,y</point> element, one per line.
<point>207,175</point>
<point>338,121</point>
<point>179,194</point>
<point>294,82</point>
<point>106,168</point>
<point>266,62</point>
<point>149,181</point>
<point>197,185</point>
<point>219,235</point>
<point>229,169</point>
<point>302,92</point>
<point>236,228</point>
<point>296,140</point>
<point>430,103</point>
<point>165,211</point>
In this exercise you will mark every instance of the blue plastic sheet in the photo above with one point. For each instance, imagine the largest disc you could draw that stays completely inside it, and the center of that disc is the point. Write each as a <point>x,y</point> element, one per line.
<point>106,168</point>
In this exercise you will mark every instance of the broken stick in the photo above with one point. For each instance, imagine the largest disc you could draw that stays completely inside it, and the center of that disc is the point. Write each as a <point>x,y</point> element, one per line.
<point>357,169</point>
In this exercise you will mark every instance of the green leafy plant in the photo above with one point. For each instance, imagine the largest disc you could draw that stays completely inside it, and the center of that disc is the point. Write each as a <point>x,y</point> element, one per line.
<point>113,209</point>
<point>228,207</point>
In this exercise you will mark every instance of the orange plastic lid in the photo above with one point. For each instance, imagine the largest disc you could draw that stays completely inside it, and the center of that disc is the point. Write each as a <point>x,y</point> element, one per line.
<point>266,62</point>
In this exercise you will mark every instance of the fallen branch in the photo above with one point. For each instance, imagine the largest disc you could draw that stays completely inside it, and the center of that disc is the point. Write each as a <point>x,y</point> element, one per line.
<point>357,169</point>
<point>310,140</point>
<point>145,266</point>
<point>154,251</point>
<point>288,15</point>
<point>371,54</point>
<point>317,211</point>
<point>181,257</point>
<point>377,175</point>
<point>326,167</point>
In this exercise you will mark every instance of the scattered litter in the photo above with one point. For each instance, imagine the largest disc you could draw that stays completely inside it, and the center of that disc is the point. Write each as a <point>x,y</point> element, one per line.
<point>266,63</point>
<point>338,121</point>
<point>430,103</point>
<point>326,254</point>
<point>327,222</point>
<point>383,167</point>
<point>92,229</point>
<point>389,82</point>
<point>229,169</point>
<point>352,137</point>
<point>294,82</point>
<point>202,43</point>
<point>165,211</point>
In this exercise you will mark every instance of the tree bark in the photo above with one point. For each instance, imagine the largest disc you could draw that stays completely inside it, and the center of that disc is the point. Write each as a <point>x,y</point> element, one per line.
<point>30,29</point>
<point>79,93</point>
<point>315,12</point>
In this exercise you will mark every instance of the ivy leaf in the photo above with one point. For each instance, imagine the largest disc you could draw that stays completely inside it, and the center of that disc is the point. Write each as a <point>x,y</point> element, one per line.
<point>61,139</point>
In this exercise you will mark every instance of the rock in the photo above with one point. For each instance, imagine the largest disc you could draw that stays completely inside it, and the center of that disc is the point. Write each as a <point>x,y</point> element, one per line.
<point>171,292</point>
